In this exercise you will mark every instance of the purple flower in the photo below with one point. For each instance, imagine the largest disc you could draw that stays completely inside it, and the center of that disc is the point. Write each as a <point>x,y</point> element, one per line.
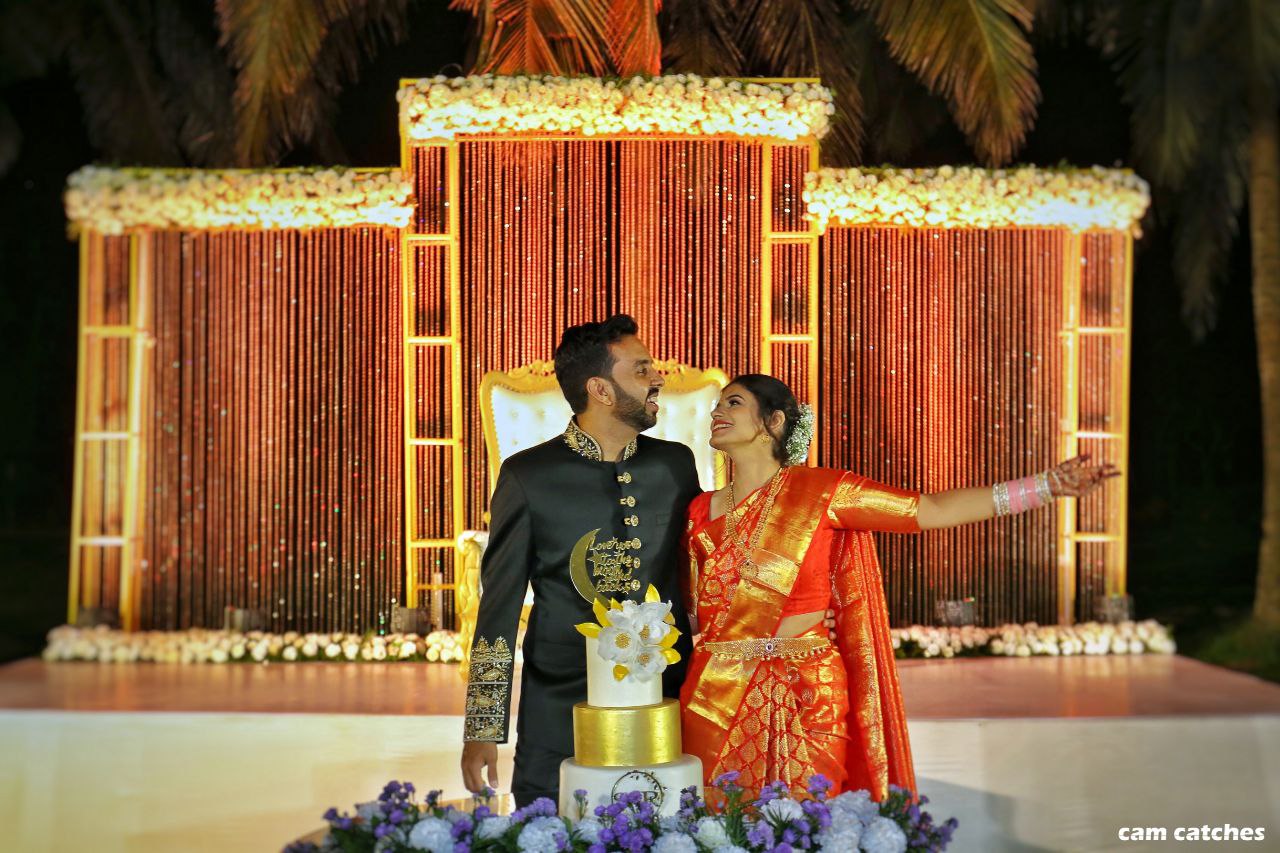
<point>818,813</point>
<point>761,835</point>
<point>462,847</point>
<point>382,829</point>
<point>727,781</point>
<point>541,807</point>
<point>819,785</point>
<point>462,826</point>
<point>396,816</point>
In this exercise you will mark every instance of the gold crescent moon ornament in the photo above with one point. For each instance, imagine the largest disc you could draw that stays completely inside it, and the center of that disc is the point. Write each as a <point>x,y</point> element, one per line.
<point>578,572</point>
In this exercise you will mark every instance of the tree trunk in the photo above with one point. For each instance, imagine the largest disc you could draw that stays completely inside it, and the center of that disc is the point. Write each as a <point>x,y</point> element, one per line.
<point>1264,238</point>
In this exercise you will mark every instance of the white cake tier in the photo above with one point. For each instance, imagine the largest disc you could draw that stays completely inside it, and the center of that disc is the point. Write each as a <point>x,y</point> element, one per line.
<point>660,783</point>
<point>605,691</point>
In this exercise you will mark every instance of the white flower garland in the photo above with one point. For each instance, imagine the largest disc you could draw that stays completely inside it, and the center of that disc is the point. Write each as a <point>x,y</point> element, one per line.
<point>965,197</point>
<point>113,201</point>
<point>1086,638</point>
<point>686,104</point>
<point>199,645</point>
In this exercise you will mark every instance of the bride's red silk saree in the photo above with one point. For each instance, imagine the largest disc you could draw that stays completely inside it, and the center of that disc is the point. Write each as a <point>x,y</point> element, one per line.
<point>786,709</point>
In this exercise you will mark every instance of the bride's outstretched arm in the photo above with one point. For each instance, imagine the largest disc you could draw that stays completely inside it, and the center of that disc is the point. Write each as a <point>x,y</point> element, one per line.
<point>1073,478</point>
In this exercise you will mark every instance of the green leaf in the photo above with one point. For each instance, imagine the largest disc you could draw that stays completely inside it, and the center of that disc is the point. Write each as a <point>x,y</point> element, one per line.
<point>975,53</point>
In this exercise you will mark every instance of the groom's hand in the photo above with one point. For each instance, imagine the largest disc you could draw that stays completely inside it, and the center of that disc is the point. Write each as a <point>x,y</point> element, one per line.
<point>476,756</point>
<point>830,622</point>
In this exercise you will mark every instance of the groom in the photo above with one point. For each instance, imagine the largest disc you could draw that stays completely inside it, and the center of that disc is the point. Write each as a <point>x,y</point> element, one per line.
<point>598,509</point>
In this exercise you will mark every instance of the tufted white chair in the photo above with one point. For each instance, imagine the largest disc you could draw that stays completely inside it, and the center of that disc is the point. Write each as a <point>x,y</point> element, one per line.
<point>524,407</point>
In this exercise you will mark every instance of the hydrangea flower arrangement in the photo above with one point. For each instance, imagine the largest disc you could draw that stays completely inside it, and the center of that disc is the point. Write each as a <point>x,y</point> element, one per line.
<point>728,822</point>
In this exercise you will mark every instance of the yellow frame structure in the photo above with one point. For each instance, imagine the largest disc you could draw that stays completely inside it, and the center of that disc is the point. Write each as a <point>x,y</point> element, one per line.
<point>138,333</point>
<point>450,240</point>
<point>1073,333</point>
<point>810,236</point>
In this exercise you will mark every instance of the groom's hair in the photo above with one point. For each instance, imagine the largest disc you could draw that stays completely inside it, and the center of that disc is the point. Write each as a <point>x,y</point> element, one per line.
<point>584,353</point>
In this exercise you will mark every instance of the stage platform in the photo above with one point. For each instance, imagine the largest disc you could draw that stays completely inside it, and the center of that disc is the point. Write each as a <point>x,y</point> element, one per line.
<point>1029,754</point>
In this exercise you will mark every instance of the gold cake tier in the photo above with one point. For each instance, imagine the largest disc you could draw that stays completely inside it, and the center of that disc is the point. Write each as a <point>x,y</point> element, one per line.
<point>626,737</point>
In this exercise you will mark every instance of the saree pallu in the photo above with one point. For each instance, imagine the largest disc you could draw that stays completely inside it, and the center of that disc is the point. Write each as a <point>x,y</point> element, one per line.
<point>837,712</point>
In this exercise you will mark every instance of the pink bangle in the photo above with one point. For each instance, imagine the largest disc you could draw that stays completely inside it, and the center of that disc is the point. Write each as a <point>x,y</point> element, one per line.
<point>1017,496</point>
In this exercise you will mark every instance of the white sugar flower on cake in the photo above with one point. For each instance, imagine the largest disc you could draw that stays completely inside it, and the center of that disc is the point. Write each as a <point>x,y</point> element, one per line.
<point>638,637</point>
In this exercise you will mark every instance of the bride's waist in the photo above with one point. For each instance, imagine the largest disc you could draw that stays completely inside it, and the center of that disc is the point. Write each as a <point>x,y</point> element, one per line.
<point>765,648</point>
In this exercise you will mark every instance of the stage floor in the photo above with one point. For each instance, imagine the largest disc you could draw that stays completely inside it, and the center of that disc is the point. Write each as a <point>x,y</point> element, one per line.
<point>1031,754</point>
<point>967,688</point>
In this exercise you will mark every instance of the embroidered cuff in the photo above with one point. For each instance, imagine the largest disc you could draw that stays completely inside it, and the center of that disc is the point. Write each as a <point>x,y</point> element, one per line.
<point>488,691</point>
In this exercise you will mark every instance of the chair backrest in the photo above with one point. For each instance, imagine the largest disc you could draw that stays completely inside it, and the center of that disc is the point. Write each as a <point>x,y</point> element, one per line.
<point>523,407</point>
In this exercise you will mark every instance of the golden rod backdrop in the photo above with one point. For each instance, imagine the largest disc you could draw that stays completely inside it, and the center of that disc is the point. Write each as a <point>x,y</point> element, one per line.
<point>286,420</point>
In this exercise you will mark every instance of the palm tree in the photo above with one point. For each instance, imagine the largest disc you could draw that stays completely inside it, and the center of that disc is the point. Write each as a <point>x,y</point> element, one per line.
<point>231,83</point>
<point>975,54</point>
<point>1202,79</point>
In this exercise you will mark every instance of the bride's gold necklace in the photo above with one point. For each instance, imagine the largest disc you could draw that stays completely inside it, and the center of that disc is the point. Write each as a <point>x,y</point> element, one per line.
<point>731,515</point>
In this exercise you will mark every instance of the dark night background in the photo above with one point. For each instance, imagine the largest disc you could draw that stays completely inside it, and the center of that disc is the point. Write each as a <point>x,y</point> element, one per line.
<point>1195,461</point>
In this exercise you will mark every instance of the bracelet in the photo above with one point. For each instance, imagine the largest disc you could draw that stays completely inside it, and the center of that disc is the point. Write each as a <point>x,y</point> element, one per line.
<point>1000,495</point>
<point>1018,496</point>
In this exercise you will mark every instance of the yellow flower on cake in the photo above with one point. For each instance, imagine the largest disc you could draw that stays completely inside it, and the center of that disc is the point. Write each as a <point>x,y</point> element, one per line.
<point>638,637</point>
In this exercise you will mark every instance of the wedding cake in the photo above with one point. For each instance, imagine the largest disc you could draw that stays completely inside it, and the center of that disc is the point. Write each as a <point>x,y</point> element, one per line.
<point>626,736</point>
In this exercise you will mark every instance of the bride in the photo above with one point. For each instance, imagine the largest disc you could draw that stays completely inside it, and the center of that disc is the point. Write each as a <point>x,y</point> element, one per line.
<point>767,693</point>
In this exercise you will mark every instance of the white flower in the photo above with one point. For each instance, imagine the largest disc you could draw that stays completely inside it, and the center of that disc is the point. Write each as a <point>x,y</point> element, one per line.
<point>782,810</point>
<point>218,656</point>
<point>883,835</point>
<point>492,827</point>
<point>619,642</point>
<point>839,840</point>
<point>540,835</point>
<point>647,619</point>
<point>711,833</point>
<point>648,663</point>
<point>332,650</point>
<point>857,804</point>
<point>674,843</point>
<point>432,834</point>
<point>587,830</point>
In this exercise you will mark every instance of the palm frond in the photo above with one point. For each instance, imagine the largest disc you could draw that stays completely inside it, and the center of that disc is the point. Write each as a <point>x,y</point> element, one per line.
<point>976,54</point>
<point>1062,20</point>
<point>291,56</point>
<point>201,87</point>
<point>273,46</point>
<point>632,35</point>
<point>1258,21</point>
<point>782,38</point>
<point>123,97</point>
<point>899,114</point>
<point>540,36</point>
<point>698,37</point>
<point>1169,76</point>
<point>1205,210</point>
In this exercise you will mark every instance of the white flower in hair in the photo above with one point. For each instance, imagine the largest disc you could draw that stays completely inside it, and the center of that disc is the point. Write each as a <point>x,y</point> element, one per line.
<point>801,436</point>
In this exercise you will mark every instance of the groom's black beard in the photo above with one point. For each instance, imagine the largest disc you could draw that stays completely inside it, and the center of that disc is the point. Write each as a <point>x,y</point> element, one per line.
<point>632,411</point>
